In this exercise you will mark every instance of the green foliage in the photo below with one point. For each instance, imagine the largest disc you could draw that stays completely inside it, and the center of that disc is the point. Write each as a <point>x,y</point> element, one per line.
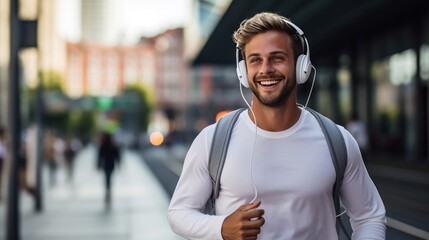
<point>57,121</point>
<point>132,108</point>
<point>52,84</point>
<point>28,104</point>
<point>145,104</point>
<point>52,81</point>
<point>81,124</point>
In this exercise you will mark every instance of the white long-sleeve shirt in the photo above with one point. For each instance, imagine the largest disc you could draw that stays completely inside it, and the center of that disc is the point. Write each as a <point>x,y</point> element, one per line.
<point>293,174</point>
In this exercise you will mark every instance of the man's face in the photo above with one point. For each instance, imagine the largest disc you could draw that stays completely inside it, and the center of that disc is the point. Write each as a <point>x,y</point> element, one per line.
<point>271,67</point>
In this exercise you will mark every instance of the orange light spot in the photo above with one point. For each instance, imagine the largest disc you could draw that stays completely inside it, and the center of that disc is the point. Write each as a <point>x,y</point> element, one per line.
<point>221,114</point>
<point>156,138</point>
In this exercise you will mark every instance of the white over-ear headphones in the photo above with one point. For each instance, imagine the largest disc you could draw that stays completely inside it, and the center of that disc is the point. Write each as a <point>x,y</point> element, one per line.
<point>303,63</point>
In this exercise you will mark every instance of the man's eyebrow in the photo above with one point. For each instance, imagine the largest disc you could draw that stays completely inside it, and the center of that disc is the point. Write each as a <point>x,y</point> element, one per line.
<point>253,55</point>
<point>279,52</point>
<point>282,52</point>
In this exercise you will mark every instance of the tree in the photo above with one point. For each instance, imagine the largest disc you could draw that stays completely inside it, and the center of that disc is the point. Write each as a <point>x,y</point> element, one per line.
<point>52,90</point>
<point>81,124</point>
<point>139,97</point>
<point>53,95</point>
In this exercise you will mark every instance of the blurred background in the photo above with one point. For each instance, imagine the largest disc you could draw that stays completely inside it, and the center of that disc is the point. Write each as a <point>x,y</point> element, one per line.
<point>154,73</point>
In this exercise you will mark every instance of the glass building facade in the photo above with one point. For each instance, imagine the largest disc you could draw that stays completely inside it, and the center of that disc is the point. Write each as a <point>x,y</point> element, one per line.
<point>372,63</point>
<point>384,78</point>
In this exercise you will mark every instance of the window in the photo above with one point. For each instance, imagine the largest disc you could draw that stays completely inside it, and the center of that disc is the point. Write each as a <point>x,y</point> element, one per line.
<point>424,62</point>
<point>402,67</point>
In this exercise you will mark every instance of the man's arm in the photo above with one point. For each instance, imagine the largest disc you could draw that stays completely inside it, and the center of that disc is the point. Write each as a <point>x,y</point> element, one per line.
<point>360,196</point>
<point>192,192</point>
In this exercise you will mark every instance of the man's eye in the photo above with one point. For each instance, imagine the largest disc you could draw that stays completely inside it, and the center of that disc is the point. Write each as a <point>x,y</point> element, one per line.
<point>254,60</point>
<point>277,59</point>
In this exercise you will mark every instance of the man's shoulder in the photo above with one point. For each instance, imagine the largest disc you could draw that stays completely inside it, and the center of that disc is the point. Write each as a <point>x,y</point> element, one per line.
<point>205,133</point>
<point>208,131</point>
<point>346,134</point>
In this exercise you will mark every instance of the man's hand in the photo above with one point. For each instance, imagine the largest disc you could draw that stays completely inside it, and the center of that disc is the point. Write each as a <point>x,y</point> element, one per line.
<point>244,223</point>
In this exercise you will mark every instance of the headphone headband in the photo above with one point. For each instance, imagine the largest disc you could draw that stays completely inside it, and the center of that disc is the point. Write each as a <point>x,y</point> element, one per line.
<point>304,41</point>
<point>303,63</point>
<point>298,30</point>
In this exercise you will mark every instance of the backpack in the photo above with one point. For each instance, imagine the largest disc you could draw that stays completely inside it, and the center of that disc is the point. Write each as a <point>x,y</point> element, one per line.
<point>337,148</point>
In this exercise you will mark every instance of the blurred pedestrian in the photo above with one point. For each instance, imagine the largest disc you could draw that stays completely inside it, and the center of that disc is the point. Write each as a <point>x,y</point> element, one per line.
<point>59,150</point>
<point>108,159</point>
<point>29,158</point>
<point>49,155</point>
<point>72,146</point>
<point>2,155</point>
<point>357,129</point>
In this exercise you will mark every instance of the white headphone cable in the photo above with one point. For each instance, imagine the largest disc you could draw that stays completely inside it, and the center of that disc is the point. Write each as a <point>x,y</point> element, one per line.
<point>312,85</point>
<point>339,215</point>
<point>255,190</point>
<point>308,98</point>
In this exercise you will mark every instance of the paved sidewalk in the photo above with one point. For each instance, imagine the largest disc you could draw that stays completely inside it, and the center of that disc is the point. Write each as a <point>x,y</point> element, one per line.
<point>76,210</point>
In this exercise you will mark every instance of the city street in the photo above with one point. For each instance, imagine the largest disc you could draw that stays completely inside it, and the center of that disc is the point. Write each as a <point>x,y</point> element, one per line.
<point>144,184</point>
<point>404,191</point>
<point>76,210</point>
<point>148,76</point>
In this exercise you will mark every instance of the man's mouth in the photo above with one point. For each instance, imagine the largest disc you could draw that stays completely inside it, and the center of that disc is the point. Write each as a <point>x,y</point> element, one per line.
<point>268,83</point>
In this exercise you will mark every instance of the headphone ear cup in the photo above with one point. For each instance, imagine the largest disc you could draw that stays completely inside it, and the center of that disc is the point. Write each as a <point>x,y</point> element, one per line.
<point>242,73</point>
<point>303,69</point>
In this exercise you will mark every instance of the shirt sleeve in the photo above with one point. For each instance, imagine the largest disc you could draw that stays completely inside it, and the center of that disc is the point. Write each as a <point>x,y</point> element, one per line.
<point>192,191</point>
<point>360,196</point>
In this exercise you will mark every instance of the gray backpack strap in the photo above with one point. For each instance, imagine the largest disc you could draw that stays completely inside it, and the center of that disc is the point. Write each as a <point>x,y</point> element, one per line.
<point>338,150</point>
<point>219,148</point>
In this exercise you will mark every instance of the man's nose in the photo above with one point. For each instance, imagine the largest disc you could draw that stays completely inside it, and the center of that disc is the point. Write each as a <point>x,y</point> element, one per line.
<point>266,68</point>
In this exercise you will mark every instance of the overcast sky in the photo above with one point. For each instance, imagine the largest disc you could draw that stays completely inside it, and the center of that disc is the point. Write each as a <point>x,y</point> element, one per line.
<point>136,17</point>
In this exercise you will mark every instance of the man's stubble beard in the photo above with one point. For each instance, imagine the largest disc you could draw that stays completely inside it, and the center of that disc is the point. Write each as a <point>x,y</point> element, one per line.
<point>276,100</point>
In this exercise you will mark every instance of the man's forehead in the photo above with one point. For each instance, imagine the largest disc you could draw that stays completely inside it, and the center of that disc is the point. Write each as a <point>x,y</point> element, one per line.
<point>270,53</point>
<point>268,42</point>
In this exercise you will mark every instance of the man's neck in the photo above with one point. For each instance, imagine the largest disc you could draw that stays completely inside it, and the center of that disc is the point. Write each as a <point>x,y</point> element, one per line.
<point>275,119</point>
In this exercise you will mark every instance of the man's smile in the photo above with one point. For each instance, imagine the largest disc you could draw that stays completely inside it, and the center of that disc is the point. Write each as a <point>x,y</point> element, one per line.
<point>268,82</point>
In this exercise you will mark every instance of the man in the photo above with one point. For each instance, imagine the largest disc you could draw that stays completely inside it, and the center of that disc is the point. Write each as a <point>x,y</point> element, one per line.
<point>285,163</point>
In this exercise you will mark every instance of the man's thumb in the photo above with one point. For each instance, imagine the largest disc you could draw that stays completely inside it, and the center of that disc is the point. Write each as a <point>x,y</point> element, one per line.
<point>251,205</point>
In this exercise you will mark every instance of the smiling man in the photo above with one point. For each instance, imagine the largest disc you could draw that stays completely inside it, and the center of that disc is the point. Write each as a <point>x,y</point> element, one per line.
<point>271,63</point>
<point>278,176</point>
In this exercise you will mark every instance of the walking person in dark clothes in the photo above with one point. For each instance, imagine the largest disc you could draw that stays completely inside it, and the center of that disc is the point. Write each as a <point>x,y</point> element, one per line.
<point>108,158</point>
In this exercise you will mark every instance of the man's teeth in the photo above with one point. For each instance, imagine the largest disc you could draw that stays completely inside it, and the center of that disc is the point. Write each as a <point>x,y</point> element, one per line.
<point>268,82</point>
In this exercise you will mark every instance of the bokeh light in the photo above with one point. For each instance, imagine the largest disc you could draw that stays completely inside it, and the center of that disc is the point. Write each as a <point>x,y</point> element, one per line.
<point>221,114</point>
<point>156,138</point>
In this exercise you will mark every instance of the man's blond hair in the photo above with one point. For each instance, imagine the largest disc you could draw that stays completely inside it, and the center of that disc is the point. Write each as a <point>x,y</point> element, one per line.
<point>263,22</point>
